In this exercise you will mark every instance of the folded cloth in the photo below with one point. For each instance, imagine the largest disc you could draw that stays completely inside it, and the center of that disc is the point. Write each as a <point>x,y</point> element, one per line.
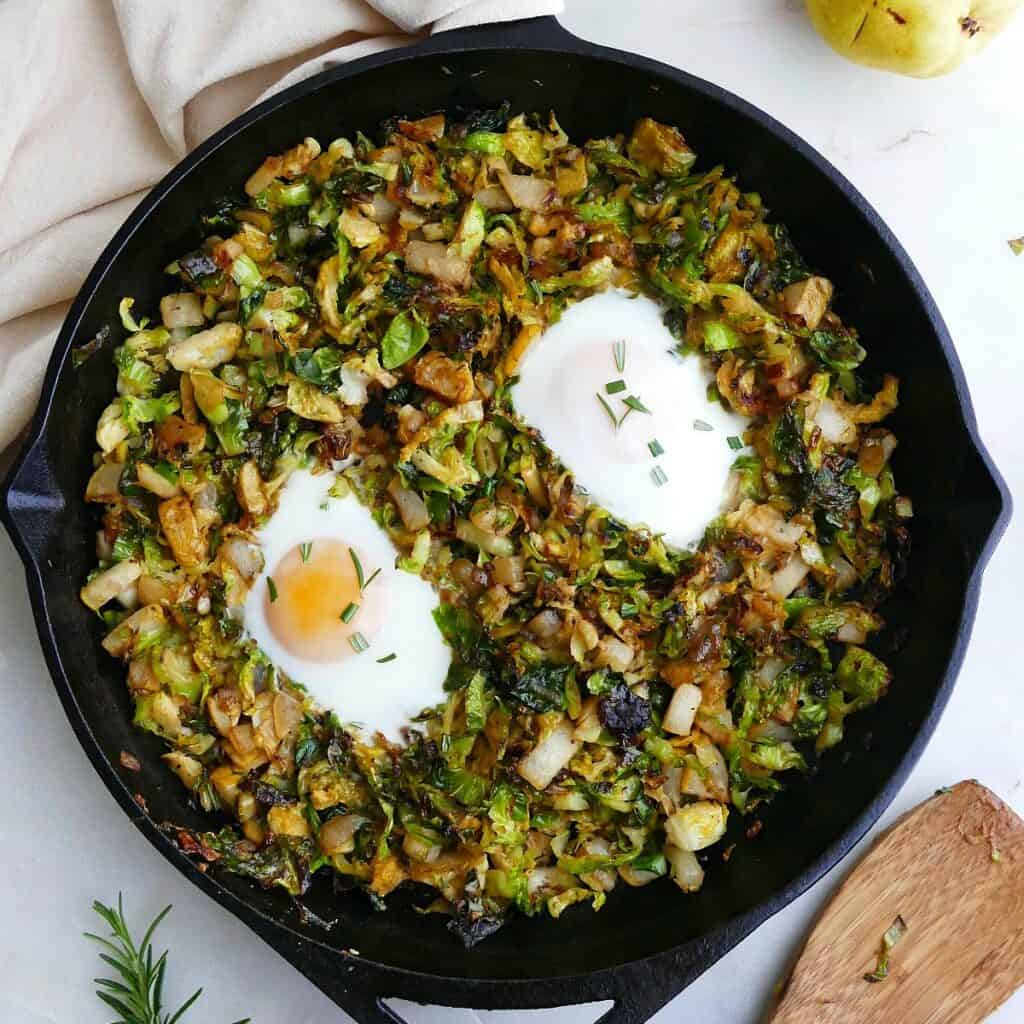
<point>103,97</point>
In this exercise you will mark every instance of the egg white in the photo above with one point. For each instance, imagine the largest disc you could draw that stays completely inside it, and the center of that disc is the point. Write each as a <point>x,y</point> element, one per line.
<point>567,367</point>
<point>360,689</point>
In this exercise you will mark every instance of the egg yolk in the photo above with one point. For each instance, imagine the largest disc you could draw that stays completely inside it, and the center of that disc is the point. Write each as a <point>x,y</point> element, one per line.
<point>304,607</point>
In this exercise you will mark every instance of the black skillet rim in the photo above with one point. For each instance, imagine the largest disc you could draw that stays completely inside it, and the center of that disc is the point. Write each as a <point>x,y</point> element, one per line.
<point>665,972</point>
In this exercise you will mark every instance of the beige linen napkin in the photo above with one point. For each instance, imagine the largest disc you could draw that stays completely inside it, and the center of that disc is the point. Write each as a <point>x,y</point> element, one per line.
<point>103,97</point>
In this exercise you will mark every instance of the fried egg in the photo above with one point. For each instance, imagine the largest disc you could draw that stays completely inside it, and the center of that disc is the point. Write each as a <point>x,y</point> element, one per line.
<point>629,416</point>
<point>332,611</point>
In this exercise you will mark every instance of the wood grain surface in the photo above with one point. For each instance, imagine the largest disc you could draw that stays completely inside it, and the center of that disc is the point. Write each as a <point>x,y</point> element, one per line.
<point>953,870</point>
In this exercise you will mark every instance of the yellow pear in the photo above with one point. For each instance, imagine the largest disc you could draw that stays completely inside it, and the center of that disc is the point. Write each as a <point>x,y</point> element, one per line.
<point>911,37</point>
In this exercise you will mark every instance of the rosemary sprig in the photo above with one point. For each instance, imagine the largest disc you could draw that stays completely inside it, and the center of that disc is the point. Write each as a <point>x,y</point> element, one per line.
<point>138,996</point>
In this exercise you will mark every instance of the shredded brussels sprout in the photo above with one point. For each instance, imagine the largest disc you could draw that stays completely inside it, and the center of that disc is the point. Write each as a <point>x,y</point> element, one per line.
<point>613,703</point>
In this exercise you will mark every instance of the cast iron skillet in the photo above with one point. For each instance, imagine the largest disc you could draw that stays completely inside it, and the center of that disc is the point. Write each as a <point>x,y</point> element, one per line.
<point>647,944</point>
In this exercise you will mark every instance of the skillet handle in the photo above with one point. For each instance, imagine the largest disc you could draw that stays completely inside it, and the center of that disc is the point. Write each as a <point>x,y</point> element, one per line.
<point>366,1009</point>
<point>543,33</point>
<point>369,1009</point>
<point>30,499</point>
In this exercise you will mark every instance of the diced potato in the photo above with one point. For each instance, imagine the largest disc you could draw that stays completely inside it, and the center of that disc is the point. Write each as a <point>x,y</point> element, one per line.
<point>188,769</point>
<point>808,299</point>
<point>207,349</point>
<point>572,180</point>
<point>243,555</point>
<point>527,191</point>
<point>249,489</point>
<point>338,834</point>
<point>155,483</point>
<point>285,165</point>
<point>494,199</point>
<point>224,709</point>
<point>682,710</point>
<point>182,310</point>
<point>287,714</point>
<point>388,875</point>
<point>112,428</point>
<point>785,580</point>
<point>120,640</point>
<point>550,756</point>
<point>226,781</point>
<point>160,710</point>
<point>588,725</point>
<point>105,587</point>
<point>288,821</point>
<point>435,260</point>
<point>182,531</point>
<point>426,129</point>
<point>614,653</point>
<point>686,870</point>
<point>105,483</point>
<point>697,825</point>
<point>174,433</point>
<point>359,230</point>
<point>411,507</point>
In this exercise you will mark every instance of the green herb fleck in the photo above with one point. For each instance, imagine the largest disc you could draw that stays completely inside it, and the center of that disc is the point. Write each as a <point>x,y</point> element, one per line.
<point>360,578</point>
<point>350,612</point>
<point>387,658</point>
<point>369,579</point>
<point>305,549</point>
<point>702,425</point>
<point>655,447</point>
<point>608,409</point>
<point>895,932</point>
<point>613,387</point>
<point>635,404</point>
<point>1017,245</point>
<point>619,351</point>
<point>660,476</point>
<point>272,589</point>
<point>734,442</point>
<point>358,643</point>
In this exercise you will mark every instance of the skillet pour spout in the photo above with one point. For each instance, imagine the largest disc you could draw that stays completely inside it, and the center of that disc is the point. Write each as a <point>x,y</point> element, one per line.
<point>647,944</point>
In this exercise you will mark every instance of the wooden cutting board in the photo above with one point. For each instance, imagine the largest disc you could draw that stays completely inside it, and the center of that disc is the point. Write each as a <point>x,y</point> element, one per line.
<point>947,883</point>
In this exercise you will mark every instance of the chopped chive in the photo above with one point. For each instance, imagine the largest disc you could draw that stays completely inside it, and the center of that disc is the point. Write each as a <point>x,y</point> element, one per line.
<point>734,442</point>
<point>655,448</point>
<point>272,589</point>
<point>702,425</point>
<point>360,578</point>
<point>305,549</point>
<point>634,403</point>
<point>619,351</point>
<point>387,658</point>
<point>659,476</point>
<point>627,611</point>
<point>623,418</point>
<point>373,575</point>
<point>350,612</point>
<point>608,409</point>
<point>358,643</point>
<point>323,506</point>
<point>613,387</point>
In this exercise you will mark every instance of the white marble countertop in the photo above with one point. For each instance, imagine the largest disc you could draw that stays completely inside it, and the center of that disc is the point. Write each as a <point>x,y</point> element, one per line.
<point>941,161</point>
